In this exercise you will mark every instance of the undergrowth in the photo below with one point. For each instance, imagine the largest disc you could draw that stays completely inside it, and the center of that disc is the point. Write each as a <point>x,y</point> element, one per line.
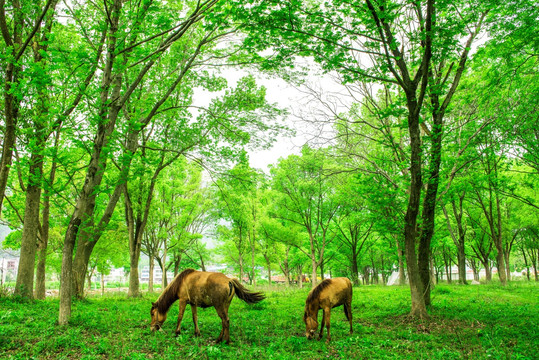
<point>475,322</point>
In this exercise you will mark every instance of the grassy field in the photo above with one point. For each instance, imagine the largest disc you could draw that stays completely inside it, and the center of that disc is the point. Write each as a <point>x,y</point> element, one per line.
<point>475,322</point>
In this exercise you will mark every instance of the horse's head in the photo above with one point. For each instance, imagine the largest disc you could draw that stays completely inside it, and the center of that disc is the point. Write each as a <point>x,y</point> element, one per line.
<point>311,324</point>
<point>157,318</point>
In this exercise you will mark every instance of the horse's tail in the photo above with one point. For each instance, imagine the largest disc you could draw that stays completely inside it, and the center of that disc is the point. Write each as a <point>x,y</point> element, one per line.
<point>249,297</point>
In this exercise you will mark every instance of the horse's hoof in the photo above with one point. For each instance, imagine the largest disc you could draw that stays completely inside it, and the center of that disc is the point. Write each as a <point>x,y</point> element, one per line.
<point>177,333</point>
<point>197,334</point>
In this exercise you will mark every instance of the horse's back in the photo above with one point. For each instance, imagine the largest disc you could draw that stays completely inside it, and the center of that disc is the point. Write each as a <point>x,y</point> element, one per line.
<point>337,293</point>
<point>205,289</point>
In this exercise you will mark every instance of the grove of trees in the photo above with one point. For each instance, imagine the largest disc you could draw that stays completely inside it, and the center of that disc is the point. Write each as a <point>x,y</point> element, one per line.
<point>123,135</point>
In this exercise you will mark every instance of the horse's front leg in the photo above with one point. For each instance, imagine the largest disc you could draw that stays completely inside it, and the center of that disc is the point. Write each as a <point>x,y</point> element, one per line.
<point>195,319</point>
<point>182,305</point>
<point>327,318</point>
<point>322,324</point>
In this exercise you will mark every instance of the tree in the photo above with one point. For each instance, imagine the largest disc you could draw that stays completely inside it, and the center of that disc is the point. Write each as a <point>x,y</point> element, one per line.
<point>307,200</point>
<point>413,47</point>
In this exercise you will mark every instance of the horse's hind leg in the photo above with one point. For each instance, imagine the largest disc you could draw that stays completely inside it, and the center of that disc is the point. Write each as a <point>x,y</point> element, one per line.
<point>182,304</point>
<point>195,319</point>
<point>222,311</point>
<point>348,313</point>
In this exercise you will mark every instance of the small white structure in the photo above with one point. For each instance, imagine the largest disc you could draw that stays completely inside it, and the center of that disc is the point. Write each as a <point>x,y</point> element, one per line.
<point>9,264</point>
<point>157,275</point>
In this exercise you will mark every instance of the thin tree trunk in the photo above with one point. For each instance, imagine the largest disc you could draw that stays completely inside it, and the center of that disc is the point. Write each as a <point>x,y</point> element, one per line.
<point>525,263</point>
<point>400,254</point>
<point>164,267</point>
<point>488,272</point>
<point>102,284</point>
<point>314,263</point>
<point>268,264</point>
<point>25,274</point>
<point>150,276</point>
<point>355,270</point>
<point>85,205</point>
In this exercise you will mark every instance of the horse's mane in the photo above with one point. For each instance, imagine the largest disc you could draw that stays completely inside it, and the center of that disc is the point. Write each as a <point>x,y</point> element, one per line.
<point>170,294</point>
<point>315,293</point>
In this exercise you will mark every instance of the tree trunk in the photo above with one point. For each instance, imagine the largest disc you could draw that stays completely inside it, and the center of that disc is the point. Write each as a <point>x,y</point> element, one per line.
<point>268,264</point>
<point>90,274</point>
<point>355,270</point>
<point>500,263</point>
<point>314,263</point>
<point>313,272</point>
<point>150,275</point>
<point>102,284</point>
<point>164,267</point>
<point>418,306</point>
<point>40,269</point>
<point>459,238</point>
<point>80,263</point>
<point>285,267</point>
<point>25,274</point>
<point>461,260</point>
<point>45,226</point>
<point>253,278</point>
<point>488,272</point>
<point>85,206</point>
<point>134,283</point>
<point>240,260</point>
<point>533,259</point>
<point>400,254</point>
<point>507,266</point>
<point>525,263</point>
<point>11,111</point>
<point>64,313</point>
<point>429,202</point>
<point>475,269</point>
<point>202,265</point>
<point>43,244</point>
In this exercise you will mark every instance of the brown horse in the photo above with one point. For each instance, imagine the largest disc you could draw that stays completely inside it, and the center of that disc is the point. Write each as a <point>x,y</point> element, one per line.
<point>204,289</point>
<point>328,294</point>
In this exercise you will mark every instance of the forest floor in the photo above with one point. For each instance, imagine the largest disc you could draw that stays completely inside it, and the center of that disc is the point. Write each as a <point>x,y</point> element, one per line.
<point>466,322</point>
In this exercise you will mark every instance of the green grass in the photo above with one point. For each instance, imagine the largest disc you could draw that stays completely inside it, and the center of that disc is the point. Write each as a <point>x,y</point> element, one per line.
<point>475,322</point>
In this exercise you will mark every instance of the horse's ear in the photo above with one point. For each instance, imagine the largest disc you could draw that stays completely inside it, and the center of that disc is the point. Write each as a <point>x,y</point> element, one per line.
<point>154,304</point>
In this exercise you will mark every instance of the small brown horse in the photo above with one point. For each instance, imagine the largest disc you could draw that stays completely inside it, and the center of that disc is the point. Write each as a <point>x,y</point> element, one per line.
<point>328,294</point>
<point>203,289</point>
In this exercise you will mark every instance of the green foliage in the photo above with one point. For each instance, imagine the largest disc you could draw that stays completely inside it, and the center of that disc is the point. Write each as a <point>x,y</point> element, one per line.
<point>477,322</point>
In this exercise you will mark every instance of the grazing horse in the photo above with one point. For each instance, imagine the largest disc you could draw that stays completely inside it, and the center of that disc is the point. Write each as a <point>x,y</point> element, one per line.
<point>203,289</point>
<point>328,294</point>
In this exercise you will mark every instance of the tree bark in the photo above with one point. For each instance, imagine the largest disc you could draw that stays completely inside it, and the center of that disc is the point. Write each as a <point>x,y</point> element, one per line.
<point>29,242</point>
<point>164,267</point>
<point>354,268</point>
<point>85,204</point>
<point>150,275</point>
<point>314,263</point>
<point>400,255</point>
<point>418,308</point>
<point>45,226</point>
<point>25,274</point>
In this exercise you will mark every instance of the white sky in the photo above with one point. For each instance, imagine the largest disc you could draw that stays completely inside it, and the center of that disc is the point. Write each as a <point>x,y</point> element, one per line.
<point>298,104</point>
